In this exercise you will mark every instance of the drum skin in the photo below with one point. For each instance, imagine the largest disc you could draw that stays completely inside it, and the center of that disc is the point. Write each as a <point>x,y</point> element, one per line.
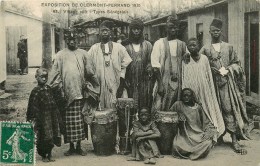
<point>103,132</point>
<point>167,124</point>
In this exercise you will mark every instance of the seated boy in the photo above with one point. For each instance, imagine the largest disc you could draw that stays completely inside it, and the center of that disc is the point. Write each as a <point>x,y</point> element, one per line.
<point>143,137</point>
<point>195,134</point>
<point>43,112</point>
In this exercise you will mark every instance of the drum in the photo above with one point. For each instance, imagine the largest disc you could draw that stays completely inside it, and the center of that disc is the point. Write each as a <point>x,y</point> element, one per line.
<point>126,109</point>
<point>167,125</point>
<point>103,131</point>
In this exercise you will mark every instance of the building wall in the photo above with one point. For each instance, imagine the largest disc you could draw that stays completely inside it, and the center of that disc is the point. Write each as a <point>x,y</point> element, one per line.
<point>205,17</point>
<point>236,27</point>
<point>2,46</point>
<point>34,35</point>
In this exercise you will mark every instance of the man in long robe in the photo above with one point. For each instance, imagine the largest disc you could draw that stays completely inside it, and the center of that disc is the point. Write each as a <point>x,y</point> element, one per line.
<point>197,76</point>
<point>225,67</point>
<point>139,72</point>
<point>68,73</point>
<point>166,59</point>
<point>109,60</point>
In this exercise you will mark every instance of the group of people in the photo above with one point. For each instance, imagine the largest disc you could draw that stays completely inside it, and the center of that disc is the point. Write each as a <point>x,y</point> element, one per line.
<point>205,88</point>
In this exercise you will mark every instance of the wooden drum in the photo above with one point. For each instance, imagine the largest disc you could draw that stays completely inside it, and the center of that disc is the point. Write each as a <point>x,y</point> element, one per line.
<point>167,125</point>
<point>103,131</point>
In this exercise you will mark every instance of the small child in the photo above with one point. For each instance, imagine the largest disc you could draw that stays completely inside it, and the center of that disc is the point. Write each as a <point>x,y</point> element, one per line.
<point>143,137</point>
<point>195,134</point>
<point>43,112</point>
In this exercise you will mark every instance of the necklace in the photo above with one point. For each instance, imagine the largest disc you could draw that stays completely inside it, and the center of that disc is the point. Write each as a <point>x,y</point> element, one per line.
<point>107,56</point>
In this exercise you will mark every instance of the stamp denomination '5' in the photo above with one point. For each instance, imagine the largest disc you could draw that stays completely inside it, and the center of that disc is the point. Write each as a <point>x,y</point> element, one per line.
<point>17,143</point>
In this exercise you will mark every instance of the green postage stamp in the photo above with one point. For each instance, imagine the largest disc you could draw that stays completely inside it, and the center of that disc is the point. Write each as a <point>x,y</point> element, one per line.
<point>17,143</point>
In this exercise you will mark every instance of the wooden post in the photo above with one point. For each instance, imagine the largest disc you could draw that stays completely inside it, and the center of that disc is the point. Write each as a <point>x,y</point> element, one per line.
<point>174,4</point>
<point>46,39</point>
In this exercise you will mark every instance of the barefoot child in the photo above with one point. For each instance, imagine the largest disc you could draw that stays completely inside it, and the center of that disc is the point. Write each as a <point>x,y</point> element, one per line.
<point>43,111</point>
<point>195,134</point>
<point>144,134</point>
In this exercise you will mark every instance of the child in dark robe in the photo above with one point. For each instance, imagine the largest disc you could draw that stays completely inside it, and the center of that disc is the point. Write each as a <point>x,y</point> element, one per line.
<point>144,137</point>
<point>43,113</point>
<point>195,134</point>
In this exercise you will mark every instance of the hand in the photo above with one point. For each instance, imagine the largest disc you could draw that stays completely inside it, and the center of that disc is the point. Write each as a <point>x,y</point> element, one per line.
<point>207,135</point>
<point>139,139</point>
<point>223,71</point>
<point>149,70</point>
<point>120,89</point>
<point>161,90</point>
<point>150,132</point>
<point>186,58</point>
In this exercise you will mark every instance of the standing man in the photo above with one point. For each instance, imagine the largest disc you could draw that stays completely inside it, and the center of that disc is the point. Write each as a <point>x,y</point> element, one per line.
<point>227,73</point>
<point>109,60</point>
<point>139,72</point>
<point>166,59</point>
<point>68,74</point>
<point>22,54</point>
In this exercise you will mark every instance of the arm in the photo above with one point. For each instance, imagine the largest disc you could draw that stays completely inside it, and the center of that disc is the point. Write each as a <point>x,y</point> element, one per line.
<point>149,68</point>
<point>156,65</point>
<point>155,133</point>
<point>92,83</point>
<point>209,129</point>
<point>137,132</point>
<point>234,63</point>
<point>125,60</point>
<point>32,107</point>
<point>55,81</point>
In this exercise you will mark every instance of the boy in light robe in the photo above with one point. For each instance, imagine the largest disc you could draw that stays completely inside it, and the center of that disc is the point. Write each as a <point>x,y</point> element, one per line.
<point>197,76</point>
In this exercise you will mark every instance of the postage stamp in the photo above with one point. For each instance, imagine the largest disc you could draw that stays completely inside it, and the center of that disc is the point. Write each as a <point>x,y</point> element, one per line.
<point>17,143</point>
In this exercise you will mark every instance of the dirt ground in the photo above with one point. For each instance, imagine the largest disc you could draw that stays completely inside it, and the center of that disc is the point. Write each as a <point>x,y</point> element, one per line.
<point>14,109</point>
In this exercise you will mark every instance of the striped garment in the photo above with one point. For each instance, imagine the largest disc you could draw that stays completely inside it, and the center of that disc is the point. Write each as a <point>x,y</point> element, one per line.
<point>74,122</point>
<point>197,76</point>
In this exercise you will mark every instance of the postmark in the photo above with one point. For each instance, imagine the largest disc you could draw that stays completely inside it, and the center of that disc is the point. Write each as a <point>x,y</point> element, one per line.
<point>17,143</point>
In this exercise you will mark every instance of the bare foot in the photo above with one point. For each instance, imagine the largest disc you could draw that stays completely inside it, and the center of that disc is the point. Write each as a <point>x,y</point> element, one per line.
<point>81,152</point>
<point>69,152</point>
<point>147,161</point>
<point>44,159</point>
<point>152,161</point>
<point>238,149</point>
<point>50,158</point>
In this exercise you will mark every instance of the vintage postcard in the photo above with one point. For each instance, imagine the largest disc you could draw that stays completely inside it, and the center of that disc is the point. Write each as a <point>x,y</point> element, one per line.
<point>130,82</point>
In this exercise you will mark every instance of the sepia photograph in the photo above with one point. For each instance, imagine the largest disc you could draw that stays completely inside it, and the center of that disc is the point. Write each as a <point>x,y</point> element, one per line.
<point>130,82</point>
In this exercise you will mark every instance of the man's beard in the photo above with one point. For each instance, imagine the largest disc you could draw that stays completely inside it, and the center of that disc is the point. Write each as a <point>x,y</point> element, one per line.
<point>72,48</point>
<point>105,39</point>
<point>172,36</point>
<point>136,38</point>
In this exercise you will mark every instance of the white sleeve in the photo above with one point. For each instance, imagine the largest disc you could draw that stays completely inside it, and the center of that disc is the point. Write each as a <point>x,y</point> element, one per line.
<point>156,54</point>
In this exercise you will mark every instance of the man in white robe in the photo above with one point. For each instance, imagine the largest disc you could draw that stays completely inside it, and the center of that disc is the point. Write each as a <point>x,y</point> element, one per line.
<point>109,60</point>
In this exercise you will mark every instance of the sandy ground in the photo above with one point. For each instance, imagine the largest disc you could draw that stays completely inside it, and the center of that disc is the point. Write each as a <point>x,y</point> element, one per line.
<point>14,108</point>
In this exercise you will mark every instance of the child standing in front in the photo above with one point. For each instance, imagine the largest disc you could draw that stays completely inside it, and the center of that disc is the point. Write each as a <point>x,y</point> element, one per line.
<point>144,134</point>
<point>43,112</point>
